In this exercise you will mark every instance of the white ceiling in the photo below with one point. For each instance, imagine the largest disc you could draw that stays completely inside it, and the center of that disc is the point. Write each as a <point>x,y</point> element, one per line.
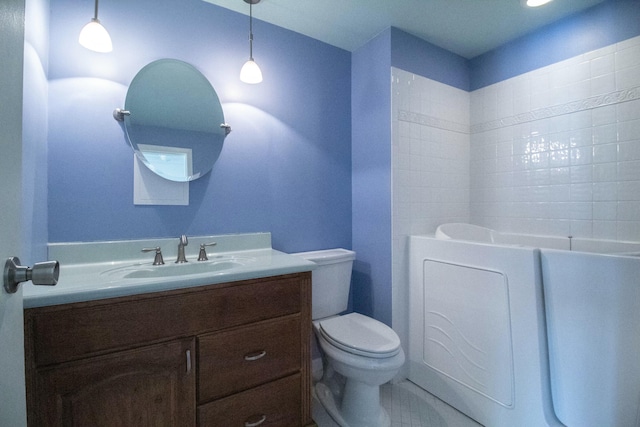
<point>466,27</point>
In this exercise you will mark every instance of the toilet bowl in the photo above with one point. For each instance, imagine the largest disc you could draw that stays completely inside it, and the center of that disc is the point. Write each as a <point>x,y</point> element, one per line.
<point>367,354</point>
<point>360,353</point>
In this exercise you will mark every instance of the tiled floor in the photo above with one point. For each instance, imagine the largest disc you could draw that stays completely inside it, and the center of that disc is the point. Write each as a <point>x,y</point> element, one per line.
<point>408,406</point>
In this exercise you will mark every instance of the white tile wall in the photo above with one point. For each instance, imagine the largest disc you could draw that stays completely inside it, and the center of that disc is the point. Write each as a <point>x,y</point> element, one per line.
<point>553,151</point>
<point>430,154</point>
<point>557,150</point>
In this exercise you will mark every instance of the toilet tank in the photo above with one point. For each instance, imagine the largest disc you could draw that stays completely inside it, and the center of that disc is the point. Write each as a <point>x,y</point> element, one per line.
<point>330,281</point>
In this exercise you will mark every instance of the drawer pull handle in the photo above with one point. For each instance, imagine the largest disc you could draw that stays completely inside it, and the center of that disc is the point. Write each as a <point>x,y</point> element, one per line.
<point>188,361</point>
<point>262,419</point>
<point>255,356</point>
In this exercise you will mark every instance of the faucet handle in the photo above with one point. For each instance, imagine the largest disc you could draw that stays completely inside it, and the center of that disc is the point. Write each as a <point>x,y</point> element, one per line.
<point>158,258</point>
<point>202,256</point>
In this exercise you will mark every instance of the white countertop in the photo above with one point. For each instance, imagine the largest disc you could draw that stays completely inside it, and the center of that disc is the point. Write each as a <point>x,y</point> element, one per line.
<point>85,268</point>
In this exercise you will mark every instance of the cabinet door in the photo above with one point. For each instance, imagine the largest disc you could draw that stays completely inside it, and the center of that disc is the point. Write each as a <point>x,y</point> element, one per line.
<point>148,386</point>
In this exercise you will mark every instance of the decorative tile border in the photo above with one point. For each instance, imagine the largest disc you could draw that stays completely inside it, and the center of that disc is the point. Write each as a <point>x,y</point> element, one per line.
<point>435,122</point>
<point>530,116</point>
<point>558,110</point>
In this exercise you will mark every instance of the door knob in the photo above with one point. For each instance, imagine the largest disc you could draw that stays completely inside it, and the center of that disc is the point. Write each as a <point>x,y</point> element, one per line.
<point>42,273</point>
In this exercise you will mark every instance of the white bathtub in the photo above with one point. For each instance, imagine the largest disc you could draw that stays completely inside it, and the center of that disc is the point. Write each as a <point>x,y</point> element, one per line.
<point>478,330</point>
<point>593,321</point>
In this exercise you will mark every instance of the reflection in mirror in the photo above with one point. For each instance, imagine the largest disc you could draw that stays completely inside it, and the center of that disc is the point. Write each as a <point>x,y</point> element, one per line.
<point>174,120</point>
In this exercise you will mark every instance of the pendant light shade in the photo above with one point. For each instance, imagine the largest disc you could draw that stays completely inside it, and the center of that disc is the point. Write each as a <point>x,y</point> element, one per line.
<point>535,3</point>
<point>94,36</point>
<point>250,72</point>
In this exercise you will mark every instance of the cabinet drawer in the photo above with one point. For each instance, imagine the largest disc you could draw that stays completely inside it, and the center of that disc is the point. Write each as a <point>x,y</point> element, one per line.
<point>277,403</point>
<point>74,331</point>
<point>242,358</point>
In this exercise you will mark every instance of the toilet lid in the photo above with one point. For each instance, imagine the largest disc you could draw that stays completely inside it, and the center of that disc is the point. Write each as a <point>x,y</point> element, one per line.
<point>362,335</point>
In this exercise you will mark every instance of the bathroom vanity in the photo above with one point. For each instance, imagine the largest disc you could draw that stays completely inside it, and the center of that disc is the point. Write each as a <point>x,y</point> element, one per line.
<point>229,352</point>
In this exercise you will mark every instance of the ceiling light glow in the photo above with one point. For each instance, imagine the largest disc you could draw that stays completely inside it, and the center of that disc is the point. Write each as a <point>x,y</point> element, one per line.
<point>536,3</point>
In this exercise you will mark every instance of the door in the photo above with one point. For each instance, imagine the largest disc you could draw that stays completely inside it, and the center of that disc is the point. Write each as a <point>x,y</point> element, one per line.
<point>13,406</point>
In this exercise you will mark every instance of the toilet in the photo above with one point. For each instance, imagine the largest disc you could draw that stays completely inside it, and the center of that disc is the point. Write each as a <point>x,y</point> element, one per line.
<point>360,353</point>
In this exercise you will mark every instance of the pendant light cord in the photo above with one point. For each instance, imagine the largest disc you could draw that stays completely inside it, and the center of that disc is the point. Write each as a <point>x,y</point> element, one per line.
<point>250,31</point>
<point>95,15</point>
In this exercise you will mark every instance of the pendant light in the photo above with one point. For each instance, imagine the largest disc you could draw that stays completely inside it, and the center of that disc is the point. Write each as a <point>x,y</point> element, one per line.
<point>535,3</point>
<point>250,72</point>
<point>94,36</point>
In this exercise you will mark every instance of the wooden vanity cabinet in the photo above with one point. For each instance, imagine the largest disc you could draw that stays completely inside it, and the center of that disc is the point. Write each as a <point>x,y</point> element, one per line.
<point>218,355</point>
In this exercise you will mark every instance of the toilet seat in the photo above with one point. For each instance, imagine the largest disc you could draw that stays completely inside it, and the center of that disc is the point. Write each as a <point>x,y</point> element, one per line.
<point>360,335</point>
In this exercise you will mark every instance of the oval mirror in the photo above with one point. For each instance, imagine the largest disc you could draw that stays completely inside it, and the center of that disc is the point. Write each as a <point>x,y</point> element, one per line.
<point>173,120</point>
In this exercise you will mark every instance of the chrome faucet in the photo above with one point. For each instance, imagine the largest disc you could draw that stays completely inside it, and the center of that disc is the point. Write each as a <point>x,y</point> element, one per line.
<point>158,258</point>
<point>202,256</point>
<point>183,242</point>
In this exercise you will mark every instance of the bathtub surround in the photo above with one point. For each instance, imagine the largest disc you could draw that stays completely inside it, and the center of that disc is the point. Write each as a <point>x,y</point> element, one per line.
<point>555,151</point>
<point>431,156</point>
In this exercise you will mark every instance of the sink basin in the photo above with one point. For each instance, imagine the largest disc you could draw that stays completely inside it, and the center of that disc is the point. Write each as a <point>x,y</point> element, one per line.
<point>147,270</point>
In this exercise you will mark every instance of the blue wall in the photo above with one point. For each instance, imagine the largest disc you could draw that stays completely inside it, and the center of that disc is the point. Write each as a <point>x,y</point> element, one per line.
<point>285,168</point>
<point>412,54</point>
<point>371,171</point>
<point>602,25</point>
